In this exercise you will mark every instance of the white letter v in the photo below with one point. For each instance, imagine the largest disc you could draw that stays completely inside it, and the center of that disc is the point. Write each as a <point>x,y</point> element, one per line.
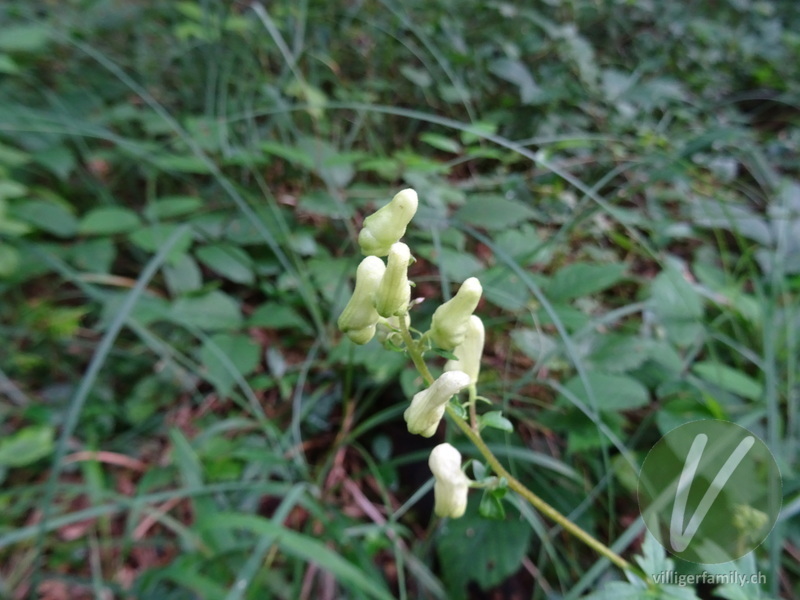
<point>678,537</point>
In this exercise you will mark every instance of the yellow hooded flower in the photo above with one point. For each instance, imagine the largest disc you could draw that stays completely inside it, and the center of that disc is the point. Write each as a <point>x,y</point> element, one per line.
<point>387,225</point>
<point>394,291</point>
<point>452,485</point>
<point>427,407</point>
<point>359,317</point>
<point>470,351</point>
<point>450,321</point>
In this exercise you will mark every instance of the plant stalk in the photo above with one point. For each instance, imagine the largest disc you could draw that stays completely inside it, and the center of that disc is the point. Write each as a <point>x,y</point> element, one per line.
<point>415,352</point>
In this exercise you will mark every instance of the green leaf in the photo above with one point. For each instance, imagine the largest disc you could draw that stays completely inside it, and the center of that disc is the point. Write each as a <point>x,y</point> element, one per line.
<point>491,507</point>
<point>152,237</point>
<point>147,309</point>
<point>618,353</point>
<point>227,260</point>
<point>9,260</point>
<point>183,275</point>
<point>224,356</point>
<point>503,287</point>
<point>289,154</point>
<point>582,279</point>
<point>612,392</point>
<point>172,206</point>
<point>729,379</point>
<point>320,202</point>
<point>107,221</point>
<point>305,547</point>
<point>516,72</point>
<point>521,244</point>
<point>278,316</point>
<point>484,551</point>
<point>419,77</point>
<point>26,446</point>
<point>441,142</point>
<point>181,164</point>
<point>95,255</point>
<point>8,66</point>
<point>493,212</point>
<point>677,306</point>
<point>534,344</point>
<point>48,216</point>
<point>458,265</point>
<point>448,354</point>
<point>11,189</point>
<point>58,159</point>
<point>212,312</point>
<point>654,557</point>
<point>496,420</point>
<point>23,38</point>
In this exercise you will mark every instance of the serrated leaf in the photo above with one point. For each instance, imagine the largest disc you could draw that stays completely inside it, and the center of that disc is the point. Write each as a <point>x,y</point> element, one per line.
<point>582,279</point>
<point>729,379</point>
<point>108,221</point>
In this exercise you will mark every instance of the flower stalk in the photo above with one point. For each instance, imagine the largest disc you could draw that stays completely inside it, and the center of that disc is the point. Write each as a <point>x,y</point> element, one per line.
<point>382,298</point>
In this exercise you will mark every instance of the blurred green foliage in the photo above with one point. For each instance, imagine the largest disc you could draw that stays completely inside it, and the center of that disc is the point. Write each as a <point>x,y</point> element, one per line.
<point>621,176</point>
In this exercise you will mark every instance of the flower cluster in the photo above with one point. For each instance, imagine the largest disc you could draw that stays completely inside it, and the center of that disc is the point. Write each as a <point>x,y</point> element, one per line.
<point>380,303</point>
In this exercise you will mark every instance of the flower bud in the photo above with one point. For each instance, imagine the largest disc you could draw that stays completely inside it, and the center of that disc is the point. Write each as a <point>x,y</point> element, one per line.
<point>394,291</point>
<point>389,329</point>
<point>452,485</point>
<point>451,319</point>
<point>427,407</point>
<point>359,317</point>
<point>470,351</point>
<point>749,521</point>
<point>387,225</point>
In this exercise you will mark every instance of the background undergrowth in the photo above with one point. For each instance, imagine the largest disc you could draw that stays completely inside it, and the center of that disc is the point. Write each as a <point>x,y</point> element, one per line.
<point>180,188</point>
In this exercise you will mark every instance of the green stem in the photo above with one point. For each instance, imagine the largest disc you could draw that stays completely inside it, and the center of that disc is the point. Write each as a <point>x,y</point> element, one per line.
<point>543,507</point>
